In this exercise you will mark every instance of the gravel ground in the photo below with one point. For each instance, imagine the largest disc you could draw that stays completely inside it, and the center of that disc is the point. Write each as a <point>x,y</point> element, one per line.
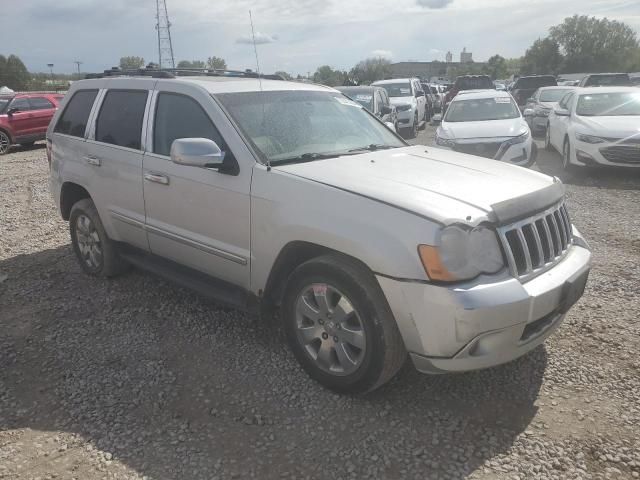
<point>135,378</point>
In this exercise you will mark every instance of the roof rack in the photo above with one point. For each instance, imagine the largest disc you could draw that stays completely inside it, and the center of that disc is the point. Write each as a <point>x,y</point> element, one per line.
<point>154,72</point>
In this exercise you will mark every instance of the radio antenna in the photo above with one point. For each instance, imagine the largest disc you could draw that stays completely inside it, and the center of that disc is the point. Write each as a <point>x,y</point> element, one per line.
<point>255,50</point>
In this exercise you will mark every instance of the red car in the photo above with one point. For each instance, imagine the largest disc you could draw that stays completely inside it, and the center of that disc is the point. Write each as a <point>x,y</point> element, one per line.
<point>24,117</point>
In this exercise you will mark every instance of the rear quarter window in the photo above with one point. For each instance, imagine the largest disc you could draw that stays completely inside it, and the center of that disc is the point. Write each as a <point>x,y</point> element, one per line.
<point>73,120</point>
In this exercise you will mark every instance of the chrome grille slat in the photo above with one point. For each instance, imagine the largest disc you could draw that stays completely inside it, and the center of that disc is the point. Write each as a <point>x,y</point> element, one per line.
<point>535,244</point>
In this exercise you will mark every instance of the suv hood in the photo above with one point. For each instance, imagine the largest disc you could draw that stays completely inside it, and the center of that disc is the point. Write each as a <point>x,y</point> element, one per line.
<point>511,127</point>
<point>438,184</point>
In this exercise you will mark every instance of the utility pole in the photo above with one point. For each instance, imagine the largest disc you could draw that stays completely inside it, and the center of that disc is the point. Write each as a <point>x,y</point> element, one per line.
<point>163,26</point>
<point>78,63</point>
<point>50,65</point>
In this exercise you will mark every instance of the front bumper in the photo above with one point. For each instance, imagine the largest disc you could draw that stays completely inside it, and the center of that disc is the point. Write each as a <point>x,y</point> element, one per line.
<point>614,154</point>
<point>486,322</point>
<point>497,149</point>
<point>405,118</point>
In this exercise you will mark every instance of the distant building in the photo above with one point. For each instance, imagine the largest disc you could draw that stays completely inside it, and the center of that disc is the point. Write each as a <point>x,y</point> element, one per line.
<point>426,70</point>
<point>466,57</point>
<point>449,57</point>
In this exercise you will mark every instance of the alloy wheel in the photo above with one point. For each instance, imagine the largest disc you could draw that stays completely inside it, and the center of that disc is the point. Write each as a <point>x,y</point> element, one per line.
<point>5,143</point>
<point>89,242</point>
<point>329,329</point>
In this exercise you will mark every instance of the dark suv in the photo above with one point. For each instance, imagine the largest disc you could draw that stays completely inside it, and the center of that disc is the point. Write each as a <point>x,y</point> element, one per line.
<point>469,82</point>
<point>525,87</point>
<point>24,118</point>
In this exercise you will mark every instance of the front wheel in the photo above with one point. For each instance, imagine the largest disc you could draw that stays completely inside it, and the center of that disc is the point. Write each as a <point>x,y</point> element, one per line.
<point>339,326</point>
<point>5,143</point>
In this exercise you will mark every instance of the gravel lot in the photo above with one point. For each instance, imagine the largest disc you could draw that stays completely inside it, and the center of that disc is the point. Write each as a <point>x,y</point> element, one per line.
<point>135,378</point>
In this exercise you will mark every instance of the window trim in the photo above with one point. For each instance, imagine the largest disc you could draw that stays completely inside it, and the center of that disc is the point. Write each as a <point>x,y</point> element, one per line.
<point>51,104</point>
<point>96,116</point>
<point>89,118</point>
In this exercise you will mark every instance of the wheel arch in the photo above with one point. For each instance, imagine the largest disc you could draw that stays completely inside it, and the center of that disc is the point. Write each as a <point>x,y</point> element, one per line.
<point>292,255</point>
<point>71,193</point>
<point>8,132</point>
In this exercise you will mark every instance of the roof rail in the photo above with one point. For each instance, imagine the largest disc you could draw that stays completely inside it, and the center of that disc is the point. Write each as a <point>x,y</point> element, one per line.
<point>152,71</point>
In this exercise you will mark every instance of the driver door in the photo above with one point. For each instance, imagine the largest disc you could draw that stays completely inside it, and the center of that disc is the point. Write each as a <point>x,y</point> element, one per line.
<point>562,122</point>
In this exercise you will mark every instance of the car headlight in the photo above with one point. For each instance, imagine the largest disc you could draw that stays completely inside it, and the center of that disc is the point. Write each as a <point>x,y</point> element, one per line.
<point>445,142</point>
<point>589,138</point>
<point>403,108</point>
<point>462,254</point>
<point>519,139</point>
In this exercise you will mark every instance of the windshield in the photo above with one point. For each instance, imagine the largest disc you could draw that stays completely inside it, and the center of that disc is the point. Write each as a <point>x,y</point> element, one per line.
<point>363,97</point>
<point>481,109</point>
<point>397,89</point>
<point>284,125</point>
<point>3,103</point>
<point>608,81</point>
<point>609,104</point>
<point>553,95</point>
<point>473,83</point>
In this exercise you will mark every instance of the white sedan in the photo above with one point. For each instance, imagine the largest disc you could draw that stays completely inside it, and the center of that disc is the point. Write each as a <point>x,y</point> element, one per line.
<point>597,126</point>
<point>487,123</point>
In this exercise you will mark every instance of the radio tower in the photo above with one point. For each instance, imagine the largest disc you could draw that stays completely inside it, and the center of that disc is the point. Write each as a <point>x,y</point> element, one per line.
<point>163,26</point>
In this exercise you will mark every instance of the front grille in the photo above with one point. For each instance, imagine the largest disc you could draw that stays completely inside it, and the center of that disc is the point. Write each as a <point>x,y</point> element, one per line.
<point>481,149</point>
<point>628,154</point>
<point>535,244</point>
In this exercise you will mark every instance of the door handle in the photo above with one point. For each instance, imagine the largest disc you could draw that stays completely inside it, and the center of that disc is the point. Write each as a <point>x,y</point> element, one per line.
<point>91,160</point>
<point>156,178</point>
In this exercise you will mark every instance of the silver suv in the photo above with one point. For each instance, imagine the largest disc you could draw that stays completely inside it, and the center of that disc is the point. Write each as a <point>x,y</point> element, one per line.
<point>287,197</point>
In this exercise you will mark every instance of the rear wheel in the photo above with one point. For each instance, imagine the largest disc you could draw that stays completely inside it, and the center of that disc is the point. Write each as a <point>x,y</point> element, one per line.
<point>547,140</point>
<point>413,133</point>
<point>5,143</point>
<point>95,251</point>
<point>339,325</point>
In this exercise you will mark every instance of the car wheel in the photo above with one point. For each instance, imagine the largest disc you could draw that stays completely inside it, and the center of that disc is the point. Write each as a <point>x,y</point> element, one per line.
<point>96,252</point>
<point>339,326</point>
<point>414,129</point>
<point>566,158</point>
<point>5,143</point>
<point>547,140</point>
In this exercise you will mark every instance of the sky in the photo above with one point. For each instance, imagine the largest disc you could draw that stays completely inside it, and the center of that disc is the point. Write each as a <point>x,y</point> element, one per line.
<point>296,36</point>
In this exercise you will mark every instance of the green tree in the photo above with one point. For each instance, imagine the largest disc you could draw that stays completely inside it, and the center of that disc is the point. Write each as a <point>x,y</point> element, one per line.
<point>591,44</point>
<point>216,63</point>
<point>330,77</point>
<point>13,73</point>
<point>191,64</point>
<point>496,67</point>
<point>127,63</point>
<point>284,75</point>
<point>371,69</point>
<point>542,57</point>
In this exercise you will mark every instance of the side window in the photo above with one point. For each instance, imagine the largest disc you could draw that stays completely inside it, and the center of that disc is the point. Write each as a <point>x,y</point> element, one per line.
<point>40,103</point>
<point>73,120</point>
<point>569,101</point>
<point>379,102</point>
<point>120,118</point>
<point>22,104</point>
<point>179,116</point>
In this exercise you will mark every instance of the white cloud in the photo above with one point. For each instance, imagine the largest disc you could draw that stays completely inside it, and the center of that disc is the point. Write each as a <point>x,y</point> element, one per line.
<point>382,53</point>
<point>433,3</point>
<point>261,38</point>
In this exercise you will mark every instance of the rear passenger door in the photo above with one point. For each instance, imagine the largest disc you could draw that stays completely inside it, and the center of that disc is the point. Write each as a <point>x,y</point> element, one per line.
<point>197,217</point>
<point>115,150</point>
<point>421,99</point>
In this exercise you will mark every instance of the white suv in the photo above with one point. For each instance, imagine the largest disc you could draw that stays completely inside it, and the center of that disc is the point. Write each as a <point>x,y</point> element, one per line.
<point>410,101</point>
<point>281,196</point>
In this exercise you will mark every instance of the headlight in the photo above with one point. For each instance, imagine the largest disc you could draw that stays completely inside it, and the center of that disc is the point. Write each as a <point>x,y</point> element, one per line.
<point>589,138</point>
<point>462,254</point>
<point>519,139</point>
<point>445,142</point>
<point>403,108</point>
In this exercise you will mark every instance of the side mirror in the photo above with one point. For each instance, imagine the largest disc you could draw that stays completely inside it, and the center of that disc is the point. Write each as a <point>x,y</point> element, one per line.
<point>390,126</point>
<point>197,152</point>
<point>561,112</point>
<point>528,112</point>
<point>385,110</point>
<point>13,110</point>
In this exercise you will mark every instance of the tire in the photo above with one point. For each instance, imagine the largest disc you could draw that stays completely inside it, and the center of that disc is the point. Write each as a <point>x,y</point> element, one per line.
<point>96,252</point>
<point>372,348</point>
<point>566,155</point>
<point>547,140</point>
<point>5,143</point>
<point>413,132</point>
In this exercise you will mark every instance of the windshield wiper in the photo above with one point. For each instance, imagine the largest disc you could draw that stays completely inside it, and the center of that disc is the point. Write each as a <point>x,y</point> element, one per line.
<point>372,147</point>
<point>307,157</point>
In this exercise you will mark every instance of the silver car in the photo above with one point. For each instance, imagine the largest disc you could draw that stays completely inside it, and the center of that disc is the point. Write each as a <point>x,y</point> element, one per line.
<point>282,196</point>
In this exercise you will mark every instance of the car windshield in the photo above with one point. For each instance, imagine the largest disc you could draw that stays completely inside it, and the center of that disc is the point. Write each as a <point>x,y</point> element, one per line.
<point>363,97</point>
<point>608,104</point>
<point>608,81</point>
<point>3,103</point>
<point>397,89</point>
<point>473,83</point>
<point>481,109</point>
<point>554,95</point>
<point>305,125</point>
